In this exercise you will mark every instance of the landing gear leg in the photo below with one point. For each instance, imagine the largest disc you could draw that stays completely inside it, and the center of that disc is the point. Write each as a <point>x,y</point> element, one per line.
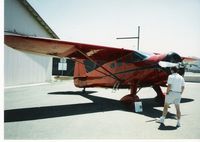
<point>83,91</point>
<point>160,98</point>
<point>130,99</point>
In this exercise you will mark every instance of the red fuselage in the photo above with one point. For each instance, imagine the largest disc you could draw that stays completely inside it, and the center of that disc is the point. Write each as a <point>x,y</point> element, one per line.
<point>143,71</point>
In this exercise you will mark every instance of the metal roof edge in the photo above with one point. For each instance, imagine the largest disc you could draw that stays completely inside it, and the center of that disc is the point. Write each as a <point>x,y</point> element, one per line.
<point>38,18</point>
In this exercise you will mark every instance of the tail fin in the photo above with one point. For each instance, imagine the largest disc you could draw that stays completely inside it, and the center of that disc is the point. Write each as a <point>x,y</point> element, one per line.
<point>80,78</point>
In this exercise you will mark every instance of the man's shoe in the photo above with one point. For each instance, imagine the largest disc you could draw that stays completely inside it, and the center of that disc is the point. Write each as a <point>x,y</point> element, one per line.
<point>160,120</point>
<point>178,124</point>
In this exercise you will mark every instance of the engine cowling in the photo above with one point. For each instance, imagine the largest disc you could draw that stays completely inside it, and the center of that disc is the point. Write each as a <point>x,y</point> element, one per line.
<point>175,58</point>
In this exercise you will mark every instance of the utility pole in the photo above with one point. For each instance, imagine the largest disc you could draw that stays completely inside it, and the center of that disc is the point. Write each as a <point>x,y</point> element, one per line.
<point>138,38</point>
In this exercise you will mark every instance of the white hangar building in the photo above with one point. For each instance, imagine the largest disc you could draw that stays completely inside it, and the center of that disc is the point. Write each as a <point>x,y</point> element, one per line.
<point>20,67</point>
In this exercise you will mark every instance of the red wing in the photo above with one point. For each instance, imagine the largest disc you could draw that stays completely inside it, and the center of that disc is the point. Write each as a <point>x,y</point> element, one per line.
<point>64,48</point>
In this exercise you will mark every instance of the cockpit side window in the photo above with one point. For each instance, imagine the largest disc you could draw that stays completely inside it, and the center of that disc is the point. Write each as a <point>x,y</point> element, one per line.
<point>89,65</point>
<point>112,65</point>
<point>119,62</point>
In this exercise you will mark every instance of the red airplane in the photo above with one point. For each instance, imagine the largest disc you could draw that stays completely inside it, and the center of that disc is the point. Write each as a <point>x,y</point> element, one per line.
<point>101,66</point>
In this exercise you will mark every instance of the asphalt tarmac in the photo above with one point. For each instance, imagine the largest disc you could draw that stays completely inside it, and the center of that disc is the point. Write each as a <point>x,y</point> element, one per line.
<point>60,111</point>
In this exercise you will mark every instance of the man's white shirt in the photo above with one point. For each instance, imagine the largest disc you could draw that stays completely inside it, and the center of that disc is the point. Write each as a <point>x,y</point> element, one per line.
<point>176,81</point>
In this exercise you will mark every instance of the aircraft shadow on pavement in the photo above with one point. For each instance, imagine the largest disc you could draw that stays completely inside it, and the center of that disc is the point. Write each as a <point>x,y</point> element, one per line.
<point>98,104</point>
<point>72,93</point>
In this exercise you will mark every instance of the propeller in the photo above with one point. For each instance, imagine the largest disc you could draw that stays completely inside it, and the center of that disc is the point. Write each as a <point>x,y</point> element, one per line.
<point>173,59</point>
<point>165,64</point>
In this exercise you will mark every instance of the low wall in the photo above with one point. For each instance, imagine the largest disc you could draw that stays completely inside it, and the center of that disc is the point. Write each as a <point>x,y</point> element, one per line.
<point>192,77</point>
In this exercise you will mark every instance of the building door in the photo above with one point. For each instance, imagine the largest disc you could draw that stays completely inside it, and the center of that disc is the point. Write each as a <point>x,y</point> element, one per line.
<point>63,67</point>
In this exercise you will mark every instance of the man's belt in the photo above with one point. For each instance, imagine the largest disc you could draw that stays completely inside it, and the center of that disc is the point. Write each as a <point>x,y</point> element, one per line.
<point>175,91</point>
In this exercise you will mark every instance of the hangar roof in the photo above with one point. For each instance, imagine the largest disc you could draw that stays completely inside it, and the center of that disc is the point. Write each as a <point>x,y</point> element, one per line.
<point>38,18</point>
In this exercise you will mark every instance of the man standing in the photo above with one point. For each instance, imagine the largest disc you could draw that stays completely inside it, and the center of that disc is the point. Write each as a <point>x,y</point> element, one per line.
<point>176,85</point>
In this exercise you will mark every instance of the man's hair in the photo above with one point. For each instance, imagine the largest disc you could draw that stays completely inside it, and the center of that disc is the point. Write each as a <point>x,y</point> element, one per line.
<point>174,69</point>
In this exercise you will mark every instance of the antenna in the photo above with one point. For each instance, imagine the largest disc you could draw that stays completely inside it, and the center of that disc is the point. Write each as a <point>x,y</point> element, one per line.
<point>138,38</point>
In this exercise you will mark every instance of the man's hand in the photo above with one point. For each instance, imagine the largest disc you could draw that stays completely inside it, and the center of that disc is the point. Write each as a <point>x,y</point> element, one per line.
<point>168,89</point>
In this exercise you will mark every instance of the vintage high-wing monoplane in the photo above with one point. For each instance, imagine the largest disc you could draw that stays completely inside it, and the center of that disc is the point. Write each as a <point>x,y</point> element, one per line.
<point>101,66</point>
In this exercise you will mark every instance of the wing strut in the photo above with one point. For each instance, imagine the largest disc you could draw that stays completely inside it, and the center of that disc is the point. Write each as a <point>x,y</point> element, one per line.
<point>116,86</point>
<point>114,76</point>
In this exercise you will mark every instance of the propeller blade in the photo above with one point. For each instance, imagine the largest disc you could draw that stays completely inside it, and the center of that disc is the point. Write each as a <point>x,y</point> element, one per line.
<point>165,64</point>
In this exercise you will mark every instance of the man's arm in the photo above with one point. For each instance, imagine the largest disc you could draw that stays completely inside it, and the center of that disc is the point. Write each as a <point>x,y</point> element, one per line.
<point>182,88</point>
<point>182,85</point>
<point>168,88</point>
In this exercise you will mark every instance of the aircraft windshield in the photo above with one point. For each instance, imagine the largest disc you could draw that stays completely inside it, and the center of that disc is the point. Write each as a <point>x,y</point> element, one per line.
<point>147,54</point>
<point>136,57</point>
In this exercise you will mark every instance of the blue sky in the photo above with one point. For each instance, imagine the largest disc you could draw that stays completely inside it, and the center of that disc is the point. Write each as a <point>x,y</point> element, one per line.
<point>166,25</point>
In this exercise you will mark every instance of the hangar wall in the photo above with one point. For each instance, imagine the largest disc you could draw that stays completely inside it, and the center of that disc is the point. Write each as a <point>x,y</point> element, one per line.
<point>21,67</point>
